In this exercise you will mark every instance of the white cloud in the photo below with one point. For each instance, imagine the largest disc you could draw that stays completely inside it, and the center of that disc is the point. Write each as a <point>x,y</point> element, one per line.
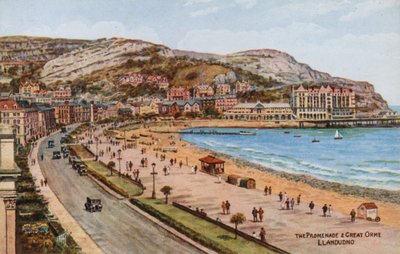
<point>204,12</point>
<point>364,9</point>
<point>374,58</point>
<point>78,29</point>
<point>308,9</point>
<point>226,41</point>
<point>246,3</point>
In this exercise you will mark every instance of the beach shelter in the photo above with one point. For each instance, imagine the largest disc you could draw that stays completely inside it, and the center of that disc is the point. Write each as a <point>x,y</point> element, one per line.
<point>248,183</point>
<point>212,165</point>
<point>368,211</point>
<point>233,179</point>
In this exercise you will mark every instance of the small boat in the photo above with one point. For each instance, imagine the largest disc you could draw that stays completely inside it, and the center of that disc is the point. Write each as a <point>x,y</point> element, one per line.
<point>297,136</point>
<point>286,132</point>
<point>338,135</point>
<point>315,140</point>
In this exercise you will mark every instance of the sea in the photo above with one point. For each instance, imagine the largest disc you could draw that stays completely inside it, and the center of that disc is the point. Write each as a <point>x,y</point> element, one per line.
<point>368,157</point>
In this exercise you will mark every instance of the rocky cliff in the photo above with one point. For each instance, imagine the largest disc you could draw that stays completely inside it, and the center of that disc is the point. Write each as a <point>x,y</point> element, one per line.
<point>32,49</point>
<point>97,55</point>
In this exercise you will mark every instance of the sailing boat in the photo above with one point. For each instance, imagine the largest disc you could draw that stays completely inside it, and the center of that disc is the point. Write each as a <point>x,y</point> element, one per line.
<point>338,135</point>
<point>315,140</point>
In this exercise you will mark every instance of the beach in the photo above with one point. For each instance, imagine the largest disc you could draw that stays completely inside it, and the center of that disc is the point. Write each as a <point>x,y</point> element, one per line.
<point>321,192</point>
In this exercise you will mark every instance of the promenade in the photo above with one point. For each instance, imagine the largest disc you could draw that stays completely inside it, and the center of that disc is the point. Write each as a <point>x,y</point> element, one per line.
<point>205,192</point>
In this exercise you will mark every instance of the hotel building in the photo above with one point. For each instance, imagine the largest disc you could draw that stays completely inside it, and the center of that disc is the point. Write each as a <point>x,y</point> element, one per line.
<point>323,103</point>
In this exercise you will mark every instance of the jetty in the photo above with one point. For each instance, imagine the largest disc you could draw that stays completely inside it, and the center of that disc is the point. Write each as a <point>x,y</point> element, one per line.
<point>211,132</point>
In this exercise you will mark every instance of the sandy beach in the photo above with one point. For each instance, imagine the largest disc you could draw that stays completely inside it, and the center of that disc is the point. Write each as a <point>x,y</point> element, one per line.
<point>188,153</point>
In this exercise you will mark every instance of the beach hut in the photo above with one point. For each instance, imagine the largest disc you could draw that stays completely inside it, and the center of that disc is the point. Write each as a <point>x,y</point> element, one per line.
<point>368,211</point>
<point>212,165</point>
<point>233,179</point>
<point>248,183</point>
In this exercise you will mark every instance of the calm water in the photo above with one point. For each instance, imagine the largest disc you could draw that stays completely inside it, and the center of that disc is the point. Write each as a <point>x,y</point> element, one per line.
<point>365,157</point>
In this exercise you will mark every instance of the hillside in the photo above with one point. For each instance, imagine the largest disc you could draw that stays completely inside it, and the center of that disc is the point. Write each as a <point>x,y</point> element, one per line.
<point>94,66</point>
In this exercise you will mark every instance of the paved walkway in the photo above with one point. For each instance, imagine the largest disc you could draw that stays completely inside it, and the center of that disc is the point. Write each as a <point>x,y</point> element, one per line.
<point>203,191</point>
<point>67,221</point>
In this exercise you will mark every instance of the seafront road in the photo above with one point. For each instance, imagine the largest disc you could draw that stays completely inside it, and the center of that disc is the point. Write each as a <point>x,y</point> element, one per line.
<point>118,228</point>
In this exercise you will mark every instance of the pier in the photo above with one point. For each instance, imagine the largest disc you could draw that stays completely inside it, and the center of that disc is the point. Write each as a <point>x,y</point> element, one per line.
<point>244,133</point>
<point>354,122</point>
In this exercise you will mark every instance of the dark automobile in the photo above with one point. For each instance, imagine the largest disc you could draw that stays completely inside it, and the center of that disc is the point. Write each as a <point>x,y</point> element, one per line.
<point>93,205</point>
<point>63,129</point>
<point>77,164</point>
<point>56,155</point>
<point>82,171</point>
<point>50,143</point>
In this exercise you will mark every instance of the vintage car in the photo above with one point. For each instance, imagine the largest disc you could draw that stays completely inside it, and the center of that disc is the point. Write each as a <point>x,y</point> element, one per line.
<point>77,164</point>
<point>50,143</point>
<point>93,205</point>
<point>82,171</point>
<point>56,155</point>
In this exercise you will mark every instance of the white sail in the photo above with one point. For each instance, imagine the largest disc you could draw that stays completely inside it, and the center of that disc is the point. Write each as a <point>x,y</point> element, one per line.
<point>338,135</point>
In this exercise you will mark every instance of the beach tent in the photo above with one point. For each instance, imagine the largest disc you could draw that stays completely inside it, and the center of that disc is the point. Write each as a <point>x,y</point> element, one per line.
<point>368,211</point>
<point>248,183</point>
<point>233,179</point>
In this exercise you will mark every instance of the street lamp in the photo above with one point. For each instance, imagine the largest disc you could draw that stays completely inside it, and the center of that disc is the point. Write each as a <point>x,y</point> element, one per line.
<point>119,161</point>
<point>153,194</point>
<point>97,148</point>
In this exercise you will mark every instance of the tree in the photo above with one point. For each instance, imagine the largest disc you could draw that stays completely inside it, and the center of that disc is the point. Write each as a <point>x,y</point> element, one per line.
<point>111,166</point>
<point>167,191</point>
<point>237,218</point>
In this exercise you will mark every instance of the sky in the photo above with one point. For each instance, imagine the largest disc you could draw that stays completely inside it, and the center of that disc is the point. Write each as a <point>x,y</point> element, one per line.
<point>355,39</point>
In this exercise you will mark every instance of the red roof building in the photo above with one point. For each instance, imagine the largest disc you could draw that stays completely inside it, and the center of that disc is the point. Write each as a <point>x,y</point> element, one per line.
<point>212,165</point>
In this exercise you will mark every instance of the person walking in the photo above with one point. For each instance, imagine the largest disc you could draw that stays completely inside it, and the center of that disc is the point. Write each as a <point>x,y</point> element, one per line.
<point>330,210</point>
<point>261,214</point>
<point>266,190</point>
<point>280,196</point>
<point>263,235</point>
<point>292,203</point>
<point>165,170</point>
<point>311,206</point>
<point>324,210</point>
<point>41,182</point>
<point>223,207</point>
<point>353,215</point>
<point>45,182</point>
<point>287,204</point>
<point>298,199</point>
<point>180,164</point>
<point>195,169</point>
<point>171,161</point>
<point>270,190</point>
<point>285,196</point>
<point>228,207</point>
<point>254,213</point>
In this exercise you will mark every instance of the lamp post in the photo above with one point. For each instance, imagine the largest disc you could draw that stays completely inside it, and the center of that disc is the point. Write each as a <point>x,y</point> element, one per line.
<point>97,148</point>
<point>125,139</point>
<point>153,194</point>
<point>119,161</point>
